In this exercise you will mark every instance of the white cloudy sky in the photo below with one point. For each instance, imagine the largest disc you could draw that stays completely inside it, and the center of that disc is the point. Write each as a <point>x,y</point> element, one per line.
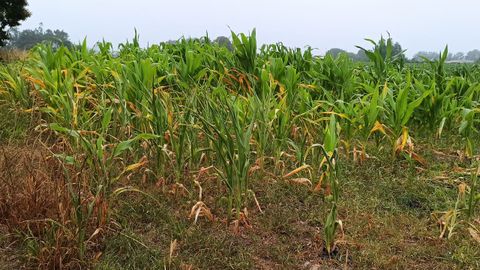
<point>416,24</point>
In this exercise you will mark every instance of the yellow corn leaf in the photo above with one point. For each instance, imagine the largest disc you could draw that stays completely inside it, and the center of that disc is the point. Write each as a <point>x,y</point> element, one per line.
<point>29,110</point>
<point>137,165</point>
<point>282,89</point>
<point>297,170</point>
<point>378,127</point>
<point>402,141</point>
<point>342,115</point>
<point>307,86</point>
<point>115,74</point>
<point>37,82</point>
<point>77,85</point>
<point>170,118</point>
<point>385,90</point>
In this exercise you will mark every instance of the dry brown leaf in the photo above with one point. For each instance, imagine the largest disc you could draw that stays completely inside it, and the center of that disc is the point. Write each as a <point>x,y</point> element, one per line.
<point>318,187</point>
<point>200,209</point>
<point>419,159</point>
<point>474,234</point>
<point>173,248</point>
<point>301,181</point>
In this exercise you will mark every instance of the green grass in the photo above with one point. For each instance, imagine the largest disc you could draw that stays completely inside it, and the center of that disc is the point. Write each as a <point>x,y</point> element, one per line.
<point>385,207</point>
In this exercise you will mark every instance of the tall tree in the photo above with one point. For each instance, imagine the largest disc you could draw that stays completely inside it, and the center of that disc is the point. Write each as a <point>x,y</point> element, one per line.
<point>12,12</point>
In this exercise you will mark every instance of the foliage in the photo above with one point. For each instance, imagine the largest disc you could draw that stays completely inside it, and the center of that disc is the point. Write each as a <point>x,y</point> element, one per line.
<point>11,13</point>
<point>179,115</point>
<point>27,39</point>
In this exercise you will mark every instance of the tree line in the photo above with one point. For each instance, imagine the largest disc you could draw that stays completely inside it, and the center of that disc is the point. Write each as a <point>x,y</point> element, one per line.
<point>12,12</point>
<point>471,56</point>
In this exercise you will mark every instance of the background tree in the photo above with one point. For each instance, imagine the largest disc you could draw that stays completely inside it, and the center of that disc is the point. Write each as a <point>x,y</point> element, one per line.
<point>12,12</point>
<point>224,42</point>
<point>418,57</point>
<point>360,56</point>
<point>334,52</point>
<point>458,56</point>
<point>473,55</point>
<point>27,39</point>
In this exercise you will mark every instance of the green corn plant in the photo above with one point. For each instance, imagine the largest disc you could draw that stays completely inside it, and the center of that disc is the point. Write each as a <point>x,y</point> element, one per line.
<point>383,59</point>
<point>14,87</point>
<point>190,67</point>
<point>473,194</point>
<point>329,175</point>
<point>468,129</point>
<point>300,148</point>
<point>159,125</point>
<point>335,76</point>
<point>293,94</point>
<point>350,122</point>
<point>183,104</point>
<point>373,105</point>
<point>437,108</point>
<point>438,69</point>
<point>101,156</point>
<point>262,131</point>
<point>329,151</point>
<point>400,110</point>
<point>245,50</point>
<point>281,125</point>
<point>401,106</point>
<point>230,137</point>
<point>179,120</point>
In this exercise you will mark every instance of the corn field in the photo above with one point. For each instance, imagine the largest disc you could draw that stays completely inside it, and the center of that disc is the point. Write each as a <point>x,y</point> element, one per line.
<point>179,115</point>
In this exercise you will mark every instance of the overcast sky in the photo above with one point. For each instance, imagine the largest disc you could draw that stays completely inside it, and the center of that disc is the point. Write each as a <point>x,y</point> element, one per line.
<point>416,24</point>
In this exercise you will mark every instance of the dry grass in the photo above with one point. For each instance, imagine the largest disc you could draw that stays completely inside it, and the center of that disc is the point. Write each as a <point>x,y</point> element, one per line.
<point>36,207</point>
<point>12,55</point>
<point>385,207</point>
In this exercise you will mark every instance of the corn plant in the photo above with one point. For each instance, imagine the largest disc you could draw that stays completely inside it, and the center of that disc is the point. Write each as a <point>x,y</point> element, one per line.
<point>331,222</point>
<point>100,156</point>
<point>245,50</point>
<point>230,137</point>
<point>14,87</point>
<point>329,175</point>
<point>382,58</point>
<point>473,194</point>
<point>468,129</point>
